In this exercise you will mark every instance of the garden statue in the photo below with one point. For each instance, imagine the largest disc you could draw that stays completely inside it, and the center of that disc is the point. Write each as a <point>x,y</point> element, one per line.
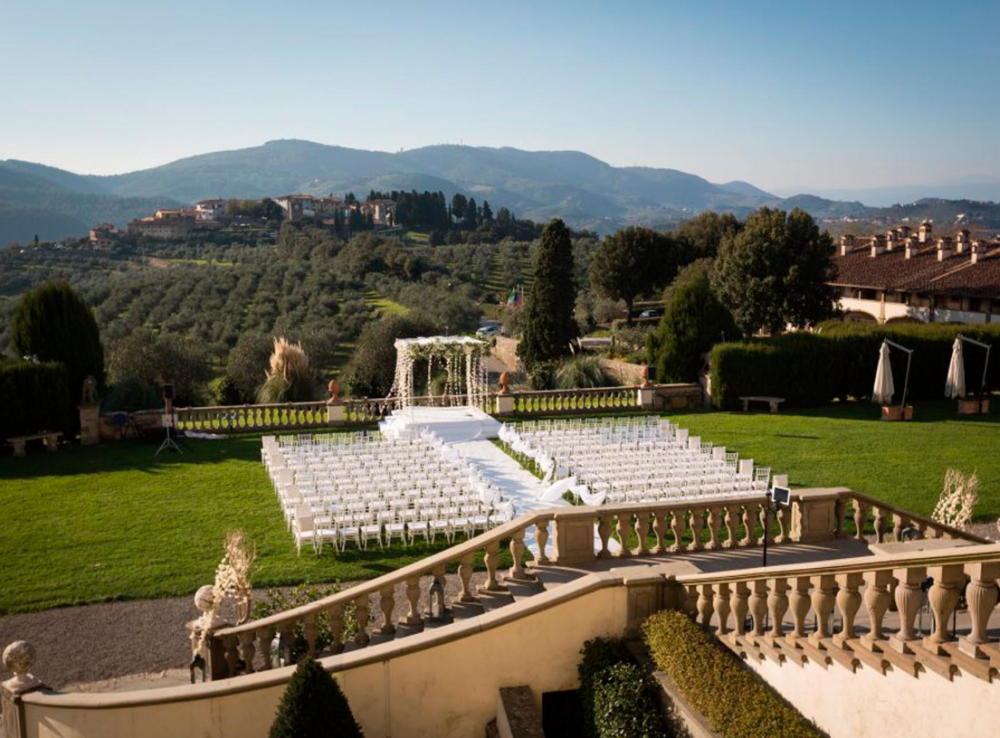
<point>89,395</point>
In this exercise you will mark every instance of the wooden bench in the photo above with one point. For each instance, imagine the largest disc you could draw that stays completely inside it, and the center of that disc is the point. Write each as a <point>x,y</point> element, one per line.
<point>773,402</point>
<point>51,441</point>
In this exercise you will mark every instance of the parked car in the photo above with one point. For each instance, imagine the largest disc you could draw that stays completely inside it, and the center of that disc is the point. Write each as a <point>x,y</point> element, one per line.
<point>488,331</point>
<point>652,313</point>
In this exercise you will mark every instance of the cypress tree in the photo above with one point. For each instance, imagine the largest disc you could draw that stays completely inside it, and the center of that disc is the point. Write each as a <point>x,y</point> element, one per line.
<point>53,323</point>
<point>313,706</point>
<point>548,312</point>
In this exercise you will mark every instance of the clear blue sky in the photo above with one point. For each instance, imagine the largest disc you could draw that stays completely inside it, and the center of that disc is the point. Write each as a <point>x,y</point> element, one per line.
<point>782,94</point>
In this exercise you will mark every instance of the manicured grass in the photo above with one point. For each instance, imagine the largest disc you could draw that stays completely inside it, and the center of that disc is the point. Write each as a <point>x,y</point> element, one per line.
<point>846,445</point>
<point>113,522</point>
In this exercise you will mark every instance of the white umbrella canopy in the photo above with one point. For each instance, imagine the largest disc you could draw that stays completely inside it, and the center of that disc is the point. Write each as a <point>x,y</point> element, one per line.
<point>954,386</point>
<point>884,388</point>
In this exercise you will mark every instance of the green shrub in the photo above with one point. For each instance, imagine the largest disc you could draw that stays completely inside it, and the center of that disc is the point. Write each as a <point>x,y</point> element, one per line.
<point>583,372</point>
<point>617,697</point>
<point>53,323</point>
<point>839,362</point>
<point>373,365</point>
<point>34,397</point>
<point>736,702</point>
<point>313,706</point>
<point>692,323</point>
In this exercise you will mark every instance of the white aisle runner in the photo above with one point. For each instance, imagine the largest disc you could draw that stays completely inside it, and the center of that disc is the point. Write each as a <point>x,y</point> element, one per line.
<point>517,484</point>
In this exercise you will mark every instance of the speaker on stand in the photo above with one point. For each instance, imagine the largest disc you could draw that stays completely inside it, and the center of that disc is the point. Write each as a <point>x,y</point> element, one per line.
<point>168,420</point>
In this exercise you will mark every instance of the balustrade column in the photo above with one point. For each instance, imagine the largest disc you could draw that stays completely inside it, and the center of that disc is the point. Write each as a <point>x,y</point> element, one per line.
<point>310,627</point>
<point>705,605</point>
<point>943,596</point>
<point>412,618</point>
<point>777,606</point>
<point>691,600</point>
<point>714,523</point>
<point>899,522</point>
<point>621,528</point>
<point>800,603</point>
<point>247,646</point>
<point>848,602</point>
<point>492,560</point>
<point>265,636</point>
<point>517,571</point>
<point>722,607</point>
<point>361,612</point>
<point>387,603</point>
<point>762,516</point>
<point>541,538</point>
<point>758,607</point>
<point>677,522</point>
<point>748,539</point>
<point>730,541</point>
<point>908,600</point>
<point>337,628</point>
<point>287,631</point>
<point>740,599</point>
<point>641,531</point>
<point>467,596</point>
<point>659,525</point>
<point>880,525</point>
<point>779,518</point>
<point>697,524</point>
<point>839,508</point>
<point>876,600</point>
<point>860,519</point>
<point>231,646</point>
<point>604,531</point>
<point>981,595</point>
<point>823,601</point>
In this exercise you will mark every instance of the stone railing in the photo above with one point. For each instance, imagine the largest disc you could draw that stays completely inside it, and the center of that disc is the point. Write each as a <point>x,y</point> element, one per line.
<point>780,601</point>
<point>889,522</point>
<point>247,418</point>
<point>568,402</point>
<point>651,529</point>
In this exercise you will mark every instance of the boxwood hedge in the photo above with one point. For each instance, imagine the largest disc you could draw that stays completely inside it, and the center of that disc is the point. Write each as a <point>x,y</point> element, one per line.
<point>839,362</point>
<point>736,702</point>
<point>33,398</point>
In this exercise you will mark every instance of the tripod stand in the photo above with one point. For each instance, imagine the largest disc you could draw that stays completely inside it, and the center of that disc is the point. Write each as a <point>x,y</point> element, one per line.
<point>168,443</point>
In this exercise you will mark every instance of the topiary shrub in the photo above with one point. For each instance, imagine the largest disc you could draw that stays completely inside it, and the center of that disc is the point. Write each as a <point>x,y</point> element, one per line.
<point>53,323</point>
<point>736,702</point>
<point>617,698</point>
<point>313,706</point>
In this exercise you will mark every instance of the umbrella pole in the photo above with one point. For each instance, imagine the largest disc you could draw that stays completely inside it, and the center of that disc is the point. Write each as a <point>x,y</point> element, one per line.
<point>906,386</point>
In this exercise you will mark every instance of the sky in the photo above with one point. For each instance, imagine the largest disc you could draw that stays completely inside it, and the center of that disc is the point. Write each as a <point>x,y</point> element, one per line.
<point>785,95</point>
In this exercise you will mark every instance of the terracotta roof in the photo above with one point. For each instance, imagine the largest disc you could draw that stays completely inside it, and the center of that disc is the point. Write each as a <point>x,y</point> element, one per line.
<point>892,271</point>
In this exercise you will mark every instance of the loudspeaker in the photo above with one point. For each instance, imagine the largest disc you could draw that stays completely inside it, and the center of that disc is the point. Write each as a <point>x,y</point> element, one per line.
<point>651,373</point>
<point>168,392</point>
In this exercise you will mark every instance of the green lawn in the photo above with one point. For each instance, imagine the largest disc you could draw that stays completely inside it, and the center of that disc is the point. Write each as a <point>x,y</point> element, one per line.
<point>113,522</point>
<point>846,445</point>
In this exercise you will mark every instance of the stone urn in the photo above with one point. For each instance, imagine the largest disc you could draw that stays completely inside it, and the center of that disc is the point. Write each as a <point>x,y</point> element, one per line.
<point>19,657</point>
<point>334,389</point>
<point>644,376</point>
<point>504,383</point>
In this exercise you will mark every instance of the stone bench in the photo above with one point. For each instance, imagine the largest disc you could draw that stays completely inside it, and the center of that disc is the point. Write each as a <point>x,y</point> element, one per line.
<point>773,402</point>
<point>51,441</point>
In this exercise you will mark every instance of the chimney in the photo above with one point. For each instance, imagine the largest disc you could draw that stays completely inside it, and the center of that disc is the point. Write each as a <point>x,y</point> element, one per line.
<point>910,247</point>
<point>904,232</point>
<point>944,248</point>
<point>978,247</point>
<point>878,245</point>
<point>926,232</point>
<point>962,241</point>
<point>891,240</point>
<point>846,244</point>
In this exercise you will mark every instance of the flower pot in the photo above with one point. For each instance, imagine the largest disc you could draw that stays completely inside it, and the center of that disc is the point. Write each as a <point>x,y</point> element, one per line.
<point>893,412</point>
<point>971,406</point>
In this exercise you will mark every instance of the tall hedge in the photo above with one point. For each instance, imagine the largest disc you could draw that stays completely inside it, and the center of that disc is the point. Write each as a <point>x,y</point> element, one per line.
<point>33,398</point>
<point>53,323</point>
<point>839,362</point>
<point>736,702</point>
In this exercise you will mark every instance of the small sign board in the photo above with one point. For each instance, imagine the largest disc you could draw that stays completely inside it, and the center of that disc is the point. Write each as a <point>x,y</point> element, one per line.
<point>781,495</point>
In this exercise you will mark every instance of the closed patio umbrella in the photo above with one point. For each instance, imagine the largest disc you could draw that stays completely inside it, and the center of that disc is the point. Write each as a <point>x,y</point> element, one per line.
<point>954,386</point>
<point>884,388</point>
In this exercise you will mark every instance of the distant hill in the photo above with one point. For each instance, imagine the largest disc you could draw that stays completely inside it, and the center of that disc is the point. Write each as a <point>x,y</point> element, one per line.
<point>52,204</point>
<point>585,191</point>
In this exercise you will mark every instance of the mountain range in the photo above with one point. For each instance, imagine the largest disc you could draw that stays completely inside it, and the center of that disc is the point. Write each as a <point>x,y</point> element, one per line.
<point>583,190</point>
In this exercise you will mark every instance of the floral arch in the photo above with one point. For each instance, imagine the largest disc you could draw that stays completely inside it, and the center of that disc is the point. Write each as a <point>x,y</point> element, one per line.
<point>462,358</point>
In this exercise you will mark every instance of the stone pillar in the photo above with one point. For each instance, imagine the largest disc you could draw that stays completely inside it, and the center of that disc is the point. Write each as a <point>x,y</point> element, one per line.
<point>573,542</point>
<point>335,413</point>
<point>814,515</point>
<point>504,405</point>
<point>646,397</point>
<point>18,657</point>
<point>90,424</point>
<point>214,652</point>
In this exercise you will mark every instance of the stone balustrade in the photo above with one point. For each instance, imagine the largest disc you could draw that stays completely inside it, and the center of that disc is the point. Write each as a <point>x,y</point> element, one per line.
<point>791,614</point>
<point>857,513</point>
<point>644,530</point>
<point>570,402</point>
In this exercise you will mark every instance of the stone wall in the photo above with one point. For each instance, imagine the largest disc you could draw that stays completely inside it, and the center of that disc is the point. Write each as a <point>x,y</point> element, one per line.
<point>627,374</point>
<point>505,350</point>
